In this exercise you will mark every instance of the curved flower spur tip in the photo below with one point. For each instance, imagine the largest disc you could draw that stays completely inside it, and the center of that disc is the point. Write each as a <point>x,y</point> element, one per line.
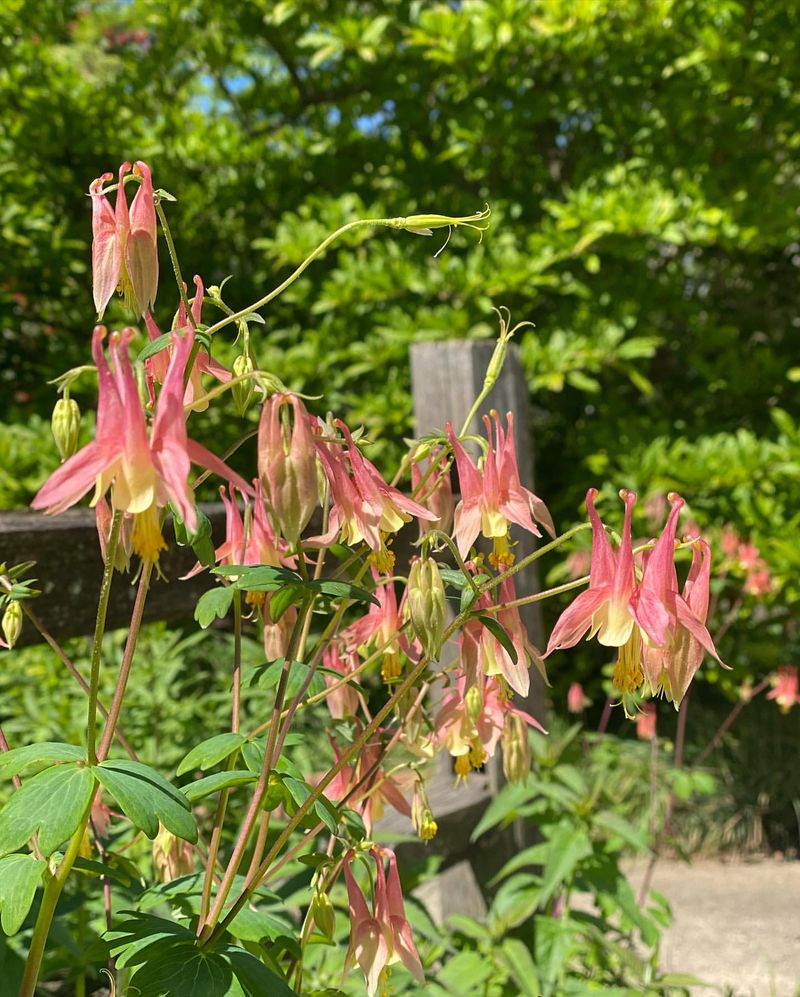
<point>105,247</point>
<point>425,224</point>
<point>141,256</point>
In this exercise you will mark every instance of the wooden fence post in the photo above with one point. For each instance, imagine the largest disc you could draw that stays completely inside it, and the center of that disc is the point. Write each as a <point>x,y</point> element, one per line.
<point>446,378</point>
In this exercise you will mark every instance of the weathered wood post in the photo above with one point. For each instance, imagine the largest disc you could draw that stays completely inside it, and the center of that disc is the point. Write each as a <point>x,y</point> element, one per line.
<point>446,378</point>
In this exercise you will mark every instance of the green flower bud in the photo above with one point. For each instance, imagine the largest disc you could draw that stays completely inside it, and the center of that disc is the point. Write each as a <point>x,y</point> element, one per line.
<point>66,424</point>
<point>324,915</point>
<point>516,749</point>
<point>474,702</point>
<point>243,391</point>
<point>427,605</point>
<point>12,622</point>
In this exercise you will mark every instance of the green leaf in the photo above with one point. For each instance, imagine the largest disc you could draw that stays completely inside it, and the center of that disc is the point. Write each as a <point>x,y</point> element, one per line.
<point>342,590</point>
<point>146,798</point>
<point>211,751</point>
<point>500,634</point>
<point>19,877</point>
<point>50,804</point>
<point>269,675</point>
<point>517,958</point>
<point>255,978</point>
<point>154,346</point>
<point>324,809</point>
<point>553,940</point>
<point>15,761</point>
<point>258,578</point>
<point>619,827</point>
<point>177,968</point>
<point>211,784</point>
<point>215,603</point>
<point>285,597</point>
<point>254,925</point>
<point>503,808</point>
<point>567,845</point>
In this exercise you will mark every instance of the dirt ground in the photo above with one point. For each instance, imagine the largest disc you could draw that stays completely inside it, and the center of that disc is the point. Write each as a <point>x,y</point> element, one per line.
<point>735,925</point>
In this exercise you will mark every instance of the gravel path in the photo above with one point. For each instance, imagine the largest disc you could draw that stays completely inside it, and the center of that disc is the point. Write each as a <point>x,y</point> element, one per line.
<point>735,924</point>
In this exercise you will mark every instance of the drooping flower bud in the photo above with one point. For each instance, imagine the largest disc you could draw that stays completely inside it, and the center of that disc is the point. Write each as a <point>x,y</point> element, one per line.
<point>172,857</point>
<point>516,749</point>
<point>12,622</point>
<point>324,915</point>
<point>287,464</point>
<point>646,722</point>
<point>421,815</point>
<point>66,424</point>
<point>427,604</point>
<point>243,391</point>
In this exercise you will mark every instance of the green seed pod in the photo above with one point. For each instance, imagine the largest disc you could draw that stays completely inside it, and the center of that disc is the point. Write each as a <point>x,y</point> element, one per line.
<point>66,424</point>
<point>324,915</point>
<point>244,390</point>
<point>516,749</point>
<point>427,605</point>
<point>12,622</point>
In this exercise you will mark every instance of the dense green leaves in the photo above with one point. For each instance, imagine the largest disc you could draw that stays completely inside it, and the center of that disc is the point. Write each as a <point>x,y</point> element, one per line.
<point>19,877</point>
<point>146,798</point>
<point>50,805</point>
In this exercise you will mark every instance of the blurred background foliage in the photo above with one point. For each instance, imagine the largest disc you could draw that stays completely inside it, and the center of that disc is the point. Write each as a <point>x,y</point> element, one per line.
<point>642,162</point>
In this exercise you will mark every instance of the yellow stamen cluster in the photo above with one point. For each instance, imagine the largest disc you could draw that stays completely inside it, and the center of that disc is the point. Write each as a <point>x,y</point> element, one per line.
<point>502,557</point>
<point>392,667</point>
<point>628,675</point>
<point>146,538</point>
<point>463,766</point>
<point>428,827</point>
<point>255,599</point>
<point>477,756</point>
<point>384,558</point>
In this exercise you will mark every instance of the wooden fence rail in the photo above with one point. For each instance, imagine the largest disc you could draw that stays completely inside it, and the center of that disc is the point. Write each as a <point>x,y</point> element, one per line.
<point>446,378</point>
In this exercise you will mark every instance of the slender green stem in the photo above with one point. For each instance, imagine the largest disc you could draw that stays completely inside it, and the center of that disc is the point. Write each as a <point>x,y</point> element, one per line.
<point>539,596</point>
<point>176,267</point>
<point>222,804</point>
<point>260,789</point>
<point>52,892</point>
<point>349,227</point>
<point>99,630</point>
<point>319,789</point>
<point>127,661</point>
<point>72,669</point>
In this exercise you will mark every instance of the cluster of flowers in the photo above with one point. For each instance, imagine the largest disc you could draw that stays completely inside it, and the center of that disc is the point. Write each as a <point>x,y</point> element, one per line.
<point>140,462</point>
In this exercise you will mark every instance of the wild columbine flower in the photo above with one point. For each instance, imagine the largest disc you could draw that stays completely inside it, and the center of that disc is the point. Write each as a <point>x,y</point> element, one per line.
<point>124,254</point>
<point>143,471</point>
<point>380,938</point>
<point>287,464</point>
<point>482,652</point>
<point>375,787</point>
<point>577,700</point>
<point>342,701</point>
<point>646,722</point>
<point>671,663</point>
<point>785,692</point>
<point>612,608</point>
<point>382,627</point>
<point>364,507</point>
<point>430,482</point>
<point>156,366</point>
<point>472,718</point>
<point>495,497</point>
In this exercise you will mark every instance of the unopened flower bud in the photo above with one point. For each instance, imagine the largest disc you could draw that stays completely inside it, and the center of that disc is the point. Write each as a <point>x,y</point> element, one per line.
<point>516,749</point>
<point>324,915</point>
<point>287,464</point>
<point>12,622</point>
<point>421,816</point>
<point>66,425</point>
<point>427,605</point>
<point>172,857</point>
<point>474,703</point>
<point>243,391</point>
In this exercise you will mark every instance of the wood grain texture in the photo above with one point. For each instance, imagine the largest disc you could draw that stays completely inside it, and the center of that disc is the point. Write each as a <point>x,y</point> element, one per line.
<point>69,570</point>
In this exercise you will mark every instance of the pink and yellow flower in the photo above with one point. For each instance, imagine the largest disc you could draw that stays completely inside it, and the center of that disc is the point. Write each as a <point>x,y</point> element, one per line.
<point>124,254</point>
<point>144,470</point>
<point>364,507</point>
<point>381,937</point>
<point>785,691</point>
<point>493,499</point>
